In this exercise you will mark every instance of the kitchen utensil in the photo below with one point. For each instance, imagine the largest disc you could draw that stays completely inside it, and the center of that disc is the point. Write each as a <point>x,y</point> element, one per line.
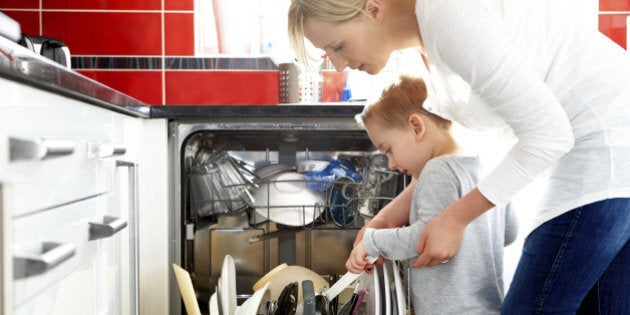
<point>359,301</point>
<point>308,295</point>
<point>287,301</point>
<point>344,281</point>
<point>322,305</point>
<point>187,290</point>
<point>285,199</point>
<point>282,275</point>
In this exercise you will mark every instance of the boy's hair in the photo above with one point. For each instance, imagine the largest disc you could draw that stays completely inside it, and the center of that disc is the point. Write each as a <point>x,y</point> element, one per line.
<point>331,11</point>
<point>399,101</point>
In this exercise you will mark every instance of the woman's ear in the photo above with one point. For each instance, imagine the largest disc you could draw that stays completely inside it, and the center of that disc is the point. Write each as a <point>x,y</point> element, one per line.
<point>375,9</point>
<point>417,124</point>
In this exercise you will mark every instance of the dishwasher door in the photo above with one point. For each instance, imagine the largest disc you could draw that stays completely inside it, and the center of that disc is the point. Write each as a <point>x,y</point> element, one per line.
<point>201,239</point>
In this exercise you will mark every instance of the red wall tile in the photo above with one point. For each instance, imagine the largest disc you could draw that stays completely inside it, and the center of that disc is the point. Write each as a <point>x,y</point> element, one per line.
<point>179,5</point>
<point>179,36</point>
<point>106,33</point>
<point>29,20</point>
<point>614,5</point>
<point>145,86</point>
<point>103,4</point>
<point>614,26</point>
<point>221,87</point>
<point>20,4</point>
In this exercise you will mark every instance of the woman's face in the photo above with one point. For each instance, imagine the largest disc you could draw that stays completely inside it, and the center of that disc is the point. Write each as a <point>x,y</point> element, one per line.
<point>357,43</point>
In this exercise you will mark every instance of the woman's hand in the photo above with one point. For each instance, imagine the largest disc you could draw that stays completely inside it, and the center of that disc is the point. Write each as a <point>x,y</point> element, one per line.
<point>439,241</point>
<point>441,238</point>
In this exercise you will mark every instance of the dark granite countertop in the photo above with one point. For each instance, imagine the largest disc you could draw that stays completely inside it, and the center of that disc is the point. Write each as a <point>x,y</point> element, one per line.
<point>236,111</point>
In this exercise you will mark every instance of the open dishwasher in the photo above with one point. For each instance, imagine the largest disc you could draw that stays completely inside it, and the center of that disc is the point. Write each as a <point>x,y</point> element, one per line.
<point>271,187</point>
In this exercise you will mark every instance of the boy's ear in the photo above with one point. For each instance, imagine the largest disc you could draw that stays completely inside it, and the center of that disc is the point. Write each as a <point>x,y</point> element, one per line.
<point>375,8</point>
<point>416,122</point>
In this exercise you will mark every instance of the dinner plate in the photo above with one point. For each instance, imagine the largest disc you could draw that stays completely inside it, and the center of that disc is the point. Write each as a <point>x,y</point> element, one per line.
<point>386,290</point>
<point>285,199</point>
<point>400,291</point>
<point>376,297</point>
<point>228,286</point>
<point>213,305</point>
<point>256,304</point>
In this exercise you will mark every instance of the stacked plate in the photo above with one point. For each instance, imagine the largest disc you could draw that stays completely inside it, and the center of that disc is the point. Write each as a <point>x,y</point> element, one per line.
<point>223,301</point>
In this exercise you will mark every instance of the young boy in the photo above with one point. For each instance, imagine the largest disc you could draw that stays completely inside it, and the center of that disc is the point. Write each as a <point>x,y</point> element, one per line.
<point>419,143</point>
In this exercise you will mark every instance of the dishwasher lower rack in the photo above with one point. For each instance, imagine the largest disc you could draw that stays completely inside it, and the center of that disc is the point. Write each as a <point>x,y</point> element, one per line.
<point>384,291</point>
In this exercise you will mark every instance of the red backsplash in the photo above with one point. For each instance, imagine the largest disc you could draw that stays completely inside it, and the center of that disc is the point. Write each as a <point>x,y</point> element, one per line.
<point>145,48</point>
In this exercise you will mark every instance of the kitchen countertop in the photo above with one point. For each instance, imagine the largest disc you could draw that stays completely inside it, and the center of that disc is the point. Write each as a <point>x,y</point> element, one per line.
<point>22,65</point>
<point>236,111</point>
<point>25,66</point>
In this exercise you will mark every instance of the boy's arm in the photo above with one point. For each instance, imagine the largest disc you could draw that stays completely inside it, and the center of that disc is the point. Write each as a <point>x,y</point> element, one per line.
<point>434,190</point>
<point>394,214</point>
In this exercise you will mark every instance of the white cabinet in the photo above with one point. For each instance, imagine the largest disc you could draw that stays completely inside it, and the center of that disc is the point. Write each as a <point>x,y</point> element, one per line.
<point>69,205</point>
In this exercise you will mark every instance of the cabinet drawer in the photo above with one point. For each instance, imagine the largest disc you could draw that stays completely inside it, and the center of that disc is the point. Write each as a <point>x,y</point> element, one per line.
<point>55,150</point>
<point>74,294</point>
<point>66,230</point>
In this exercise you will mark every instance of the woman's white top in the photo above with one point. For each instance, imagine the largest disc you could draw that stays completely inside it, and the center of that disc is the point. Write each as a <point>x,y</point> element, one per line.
<point>562,87</point>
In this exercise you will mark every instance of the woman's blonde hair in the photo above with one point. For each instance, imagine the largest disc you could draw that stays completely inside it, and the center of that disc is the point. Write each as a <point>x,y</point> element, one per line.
<point>399,101</point>
<point>330,11</point>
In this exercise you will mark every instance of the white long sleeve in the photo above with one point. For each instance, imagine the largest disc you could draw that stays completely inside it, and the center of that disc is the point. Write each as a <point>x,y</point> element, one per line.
<point>562,89</point>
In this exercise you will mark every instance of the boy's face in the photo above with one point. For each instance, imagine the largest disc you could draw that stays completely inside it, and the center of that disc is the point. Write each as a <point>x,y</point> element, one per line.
<point>402,146</point>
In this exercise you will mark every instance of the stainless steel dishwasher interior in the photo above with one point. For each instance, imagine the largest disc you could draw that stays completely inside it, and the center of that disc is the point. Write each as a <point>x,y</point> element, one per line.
<point>201,240</point>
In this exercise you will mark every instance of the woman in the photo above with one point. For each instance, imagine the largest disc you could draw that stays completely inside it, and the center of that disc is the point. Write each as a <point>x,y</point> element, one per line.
<point>564,91</point>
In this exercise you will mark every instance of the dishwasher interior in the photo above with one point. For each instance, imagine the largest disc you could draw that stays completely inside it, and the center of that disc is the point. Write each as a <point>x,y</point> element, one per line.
<point>274,191</point>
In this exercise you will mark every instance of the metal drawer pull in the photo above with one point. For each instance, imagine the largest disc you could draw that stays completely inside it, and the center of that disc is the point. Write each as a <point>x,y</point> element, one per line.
<point>107,228</point>
<point>38,149</point>
<point>52,255</point>
<point>101,150</point>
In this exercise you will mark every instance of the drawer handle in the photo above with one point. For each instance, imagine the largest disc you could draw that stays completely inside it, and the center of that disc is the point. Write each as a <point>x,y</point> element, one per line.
<point>52,255</point>
<point>101,150</point>
<point>38,149</point>
<point>109,226</point>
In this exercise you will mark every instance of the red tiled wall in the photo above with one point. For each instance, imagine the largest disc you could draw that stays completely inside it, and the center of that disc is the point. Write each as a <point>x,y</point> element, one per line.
<point>165,28</point>
<point>142,29</point>
<point>612,19</point>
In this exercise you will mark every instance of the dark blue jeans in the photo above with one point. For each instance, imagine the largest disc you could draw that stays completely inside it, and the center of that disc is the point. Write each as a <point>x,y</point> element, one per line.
<point>577,263</point>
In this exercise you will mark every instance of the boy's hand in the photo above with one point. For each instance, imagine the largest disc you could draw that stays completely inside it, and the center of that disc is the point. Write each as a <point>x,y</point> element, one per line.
<point>357,262</point>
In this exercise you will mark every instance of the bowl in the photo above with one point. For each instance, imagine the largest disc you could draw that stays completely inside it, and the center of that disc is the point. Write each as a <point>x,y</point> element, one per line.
<point>285,198</point>
<point>311,166</point>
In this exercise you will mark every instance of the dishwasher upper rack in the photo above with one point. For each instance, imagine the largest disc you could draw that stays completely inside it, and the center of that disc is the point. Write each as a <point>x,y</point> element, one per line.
<point>286,198</point>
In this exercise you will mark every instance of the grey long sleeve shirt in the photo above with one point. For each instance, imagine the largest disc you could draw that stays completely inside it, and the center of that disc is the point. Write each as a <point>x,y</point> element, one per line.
<point>472,281</point>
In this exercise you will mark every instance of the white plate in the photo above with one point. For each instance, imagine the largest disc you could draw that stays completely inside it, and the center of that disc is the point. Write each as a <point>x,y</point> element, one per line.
<point>213,305</point>
<point>377,297</point>
<point>386,291</point>
<point>228,286</point>
<point>286,199</point>
<point>400,291</point>
<point>252,305</point>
